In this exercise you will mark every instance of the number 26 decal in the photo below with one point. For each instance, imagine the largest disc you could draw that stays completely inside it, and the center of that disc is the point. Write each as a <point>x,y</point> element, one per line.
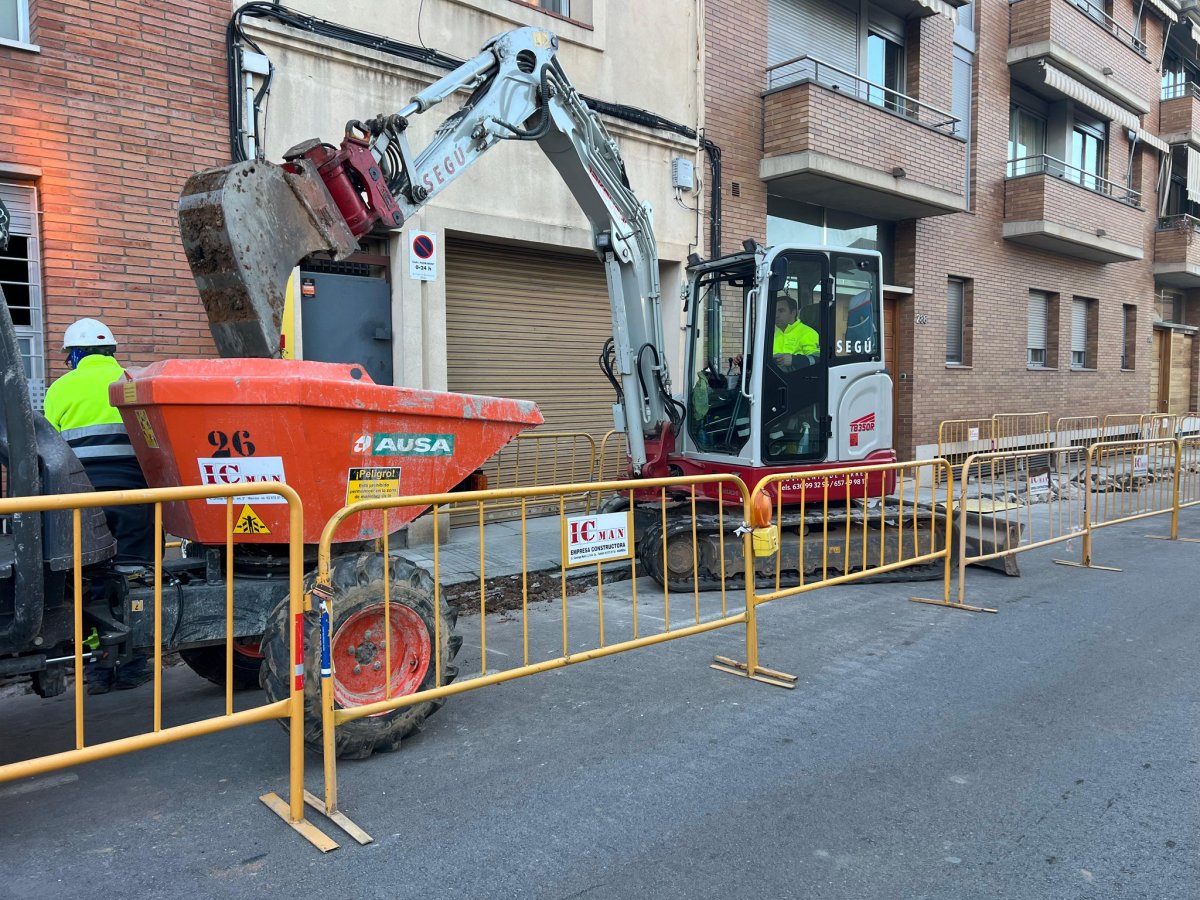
<point>223,443</point>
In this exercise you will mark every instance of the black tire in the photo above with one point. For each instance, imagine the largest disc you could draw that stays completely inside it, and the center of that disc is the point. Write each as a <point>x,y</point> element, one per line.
<point>358,589</point>
<point>209,663</point>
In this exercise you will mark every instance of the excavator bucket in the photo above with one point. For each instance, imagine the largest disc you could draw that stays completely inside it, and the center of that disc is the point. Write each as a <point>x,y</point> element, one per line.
<point>245,227</point>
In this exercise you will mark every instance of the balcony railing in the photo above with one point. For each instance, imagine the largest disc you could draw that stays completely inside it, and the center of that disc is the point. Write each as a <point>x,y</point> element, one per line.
<point>1183,89</point>
<point>1107,22</point>
<point>1048,165</point>
<point>808,69</point>
<point>1182,222</point>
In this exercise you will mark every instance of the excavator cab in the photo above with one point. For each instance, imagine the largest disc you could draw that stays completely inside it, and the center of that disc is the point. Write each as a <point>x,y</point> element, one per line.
<point>785,343</point>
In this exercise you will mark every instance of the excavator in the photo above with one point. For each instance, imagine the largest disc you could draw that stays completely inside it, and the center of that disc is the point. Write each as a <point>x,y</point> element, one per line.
<point>744,409</point>
<point>783,372</point>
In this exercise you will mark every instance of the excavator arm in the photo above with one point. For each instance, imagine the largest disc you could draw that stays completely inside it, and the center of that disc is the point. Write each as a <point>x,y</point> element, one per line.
<point>246,226</point>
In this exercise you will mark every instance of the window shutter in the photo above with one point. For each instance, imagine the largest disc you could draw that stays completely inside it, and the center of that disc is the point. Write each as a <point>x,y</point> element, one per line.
<point>1079,317</point>
<point>819,28</point>
<point>1036,327</point>
<point>954,321</point>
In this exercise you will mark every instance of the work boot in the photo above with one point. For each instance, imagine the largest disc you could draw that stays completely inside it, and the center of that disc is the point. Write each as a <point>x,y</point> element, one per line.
<point>98,678</point>
<point>132,674</point>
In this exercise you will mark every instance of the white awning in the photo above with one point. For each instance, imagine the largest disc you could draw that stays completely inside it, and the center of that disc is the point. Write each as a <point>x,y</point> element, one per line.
<point>942,8</point>
<point>1152,140</point>
<point>1081,93</point>
<point>1193,175</point>
<point>1165,10</point>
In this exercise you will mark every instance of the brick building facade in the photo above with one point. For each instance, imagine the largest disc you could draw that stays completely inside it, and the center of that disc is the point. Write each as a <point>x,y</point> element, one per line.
<point>105,109</point>
<point>1008,160</point>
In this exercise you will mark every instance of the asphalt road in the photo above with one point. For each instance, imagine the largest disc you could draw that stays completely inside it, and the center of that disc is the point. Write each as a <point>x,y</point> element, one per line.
<point>1050,751</point>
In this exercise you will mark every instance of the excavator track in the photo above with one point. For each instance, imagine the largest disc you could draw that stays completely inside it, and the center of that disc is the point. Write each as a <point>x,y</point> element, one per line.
<point>829,548</point>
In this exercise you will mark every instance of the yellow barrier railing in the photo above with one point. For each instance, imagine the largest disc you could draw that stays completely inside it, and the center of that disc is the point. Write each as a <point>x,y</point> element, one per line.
<point>886,523</point>
<point>1121,426</point>
<point>1130,480</point>
<point>1020,500</point>
<point>613,457</point>
<point>1073,431</point>
<point>1156,426</point>
<point>290,708</point>
<point>1189,471</point>
<point>537,458</point>
<point>581,634</point>
<point>1020,431</point>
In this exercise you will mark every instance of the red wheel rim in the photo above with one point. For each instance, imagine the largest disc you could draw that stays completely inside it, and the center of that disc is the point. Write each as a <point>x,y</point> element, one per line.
<point>358,658</point>
<point>248,647</point>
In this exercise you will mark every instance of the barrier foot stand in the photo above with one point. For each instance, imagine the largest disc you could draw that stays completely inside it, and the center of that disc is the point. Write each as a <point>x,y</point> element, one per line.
<point>307,829</point>
<point>340,819</point>
<point>1079,565</point>
<point>965,607</point>
<point>766,676</point>
<point>1163,537</point>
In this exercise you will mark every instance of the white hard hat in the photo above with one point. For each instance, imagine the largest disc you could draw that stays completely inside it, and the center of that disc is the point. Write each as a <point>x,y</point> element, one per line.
<point>88,333</point>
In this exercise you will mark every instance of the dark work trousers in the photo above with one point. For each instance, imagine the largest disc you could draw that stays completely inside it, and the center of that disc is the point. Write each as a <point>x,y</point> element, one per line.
<point>132,526</point>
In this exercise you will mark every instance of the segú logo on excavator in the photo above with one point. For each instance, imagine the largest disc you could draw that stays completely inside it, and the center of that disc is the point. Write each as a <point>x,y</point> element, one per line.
<point>392,444</point>
<point>445,171</point>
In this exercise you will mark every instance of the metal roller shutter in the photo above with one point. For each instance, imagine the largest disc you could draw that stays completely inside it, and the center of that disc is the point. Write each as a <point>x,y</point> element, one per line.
<point>954,321</point>
<point>819,28</point>
<point>1035,328</point>
<point>530,324</point>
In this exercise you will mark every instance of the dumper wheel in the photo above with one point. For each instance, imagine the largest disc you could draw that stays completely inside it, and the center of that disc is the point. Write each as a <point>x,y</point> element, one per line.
<point>209,663</point>
<point>357,647</point>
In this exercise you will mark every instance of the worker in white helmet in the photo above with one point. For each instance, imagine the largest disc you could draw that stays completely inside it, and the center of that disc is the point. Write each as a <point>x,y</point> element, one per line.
<point>77,405</point>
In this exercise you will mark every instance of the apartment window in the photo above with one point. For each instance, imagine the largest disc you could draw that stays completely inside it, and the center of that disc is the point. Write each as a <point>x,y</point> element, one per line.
<point>20,278</point>
<point>562,7</point>
<point>958,321</point>
<point>1128,335</point>
<point>885,66</point>
<point>1026,142</point>
<point>1087,154</point>
<point>1168,306</point>
<point>1037,330</point>
<point>1083,328</point>
<point>14,21</point>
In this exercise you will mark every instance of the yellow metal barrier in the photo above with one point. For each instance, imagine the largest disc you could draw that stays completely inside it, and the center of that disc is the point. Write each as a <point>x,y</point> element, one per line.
<point>1157,426</point>
<point>878,505</point>
<point>581,633</point>
<point>1074,431</point>
<point>613,457</point>
<point>291,709</point>
<point>1121,426</point>
<point>1020,431</point>
<point>959,438</point>
<point>1189,424</point>
<point>1188,485</point>
<point>1031,498</point>
<point>537,458</point>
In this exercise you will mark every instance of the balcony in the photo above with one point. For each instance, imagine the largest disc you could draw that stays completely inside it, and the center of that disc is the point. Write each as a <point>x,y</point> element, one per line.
<point>834,139</point>
<point>1053,206</point>
<point>1079,38</point>
<point>1179,114</point>
<point>1177,252</point>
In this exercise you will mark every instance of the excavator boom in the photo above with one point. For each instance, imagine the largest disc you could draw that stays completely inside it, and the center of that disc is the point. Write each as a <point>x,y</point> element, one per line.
<point>246,226</point>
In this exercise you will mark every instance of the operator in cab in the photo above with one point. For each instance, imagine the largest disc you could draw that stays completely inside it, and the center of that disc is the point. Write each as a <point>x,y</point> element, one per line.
<point>77,405</point>
<point>795,344</point>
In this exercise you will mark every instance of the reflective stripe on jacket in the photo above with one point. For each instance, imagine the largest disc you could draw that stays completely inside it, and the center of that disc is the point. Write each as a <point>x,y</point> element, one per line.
<point>99,441</point>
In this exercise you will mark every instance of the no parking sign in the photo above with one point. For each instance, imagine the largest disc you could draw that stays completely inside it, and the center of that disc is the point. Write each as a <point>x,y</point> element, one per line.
<point>422,256</point>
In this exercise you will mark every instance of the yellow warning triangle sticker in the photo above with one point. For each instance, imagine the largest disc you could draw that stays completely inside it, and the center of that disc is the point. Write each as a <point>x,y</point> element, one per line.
<point>248,522</point>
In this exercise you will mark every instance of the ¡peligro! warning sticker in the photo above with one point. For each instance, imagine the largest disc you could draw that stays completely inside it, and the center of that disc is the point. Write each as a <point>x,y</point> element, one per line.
<point>372,483</point>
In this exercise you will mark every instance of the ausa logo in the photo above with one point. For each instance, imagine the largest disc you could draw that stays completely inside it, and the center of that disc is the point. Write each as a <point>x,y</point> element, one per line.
<point>391,444</point>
